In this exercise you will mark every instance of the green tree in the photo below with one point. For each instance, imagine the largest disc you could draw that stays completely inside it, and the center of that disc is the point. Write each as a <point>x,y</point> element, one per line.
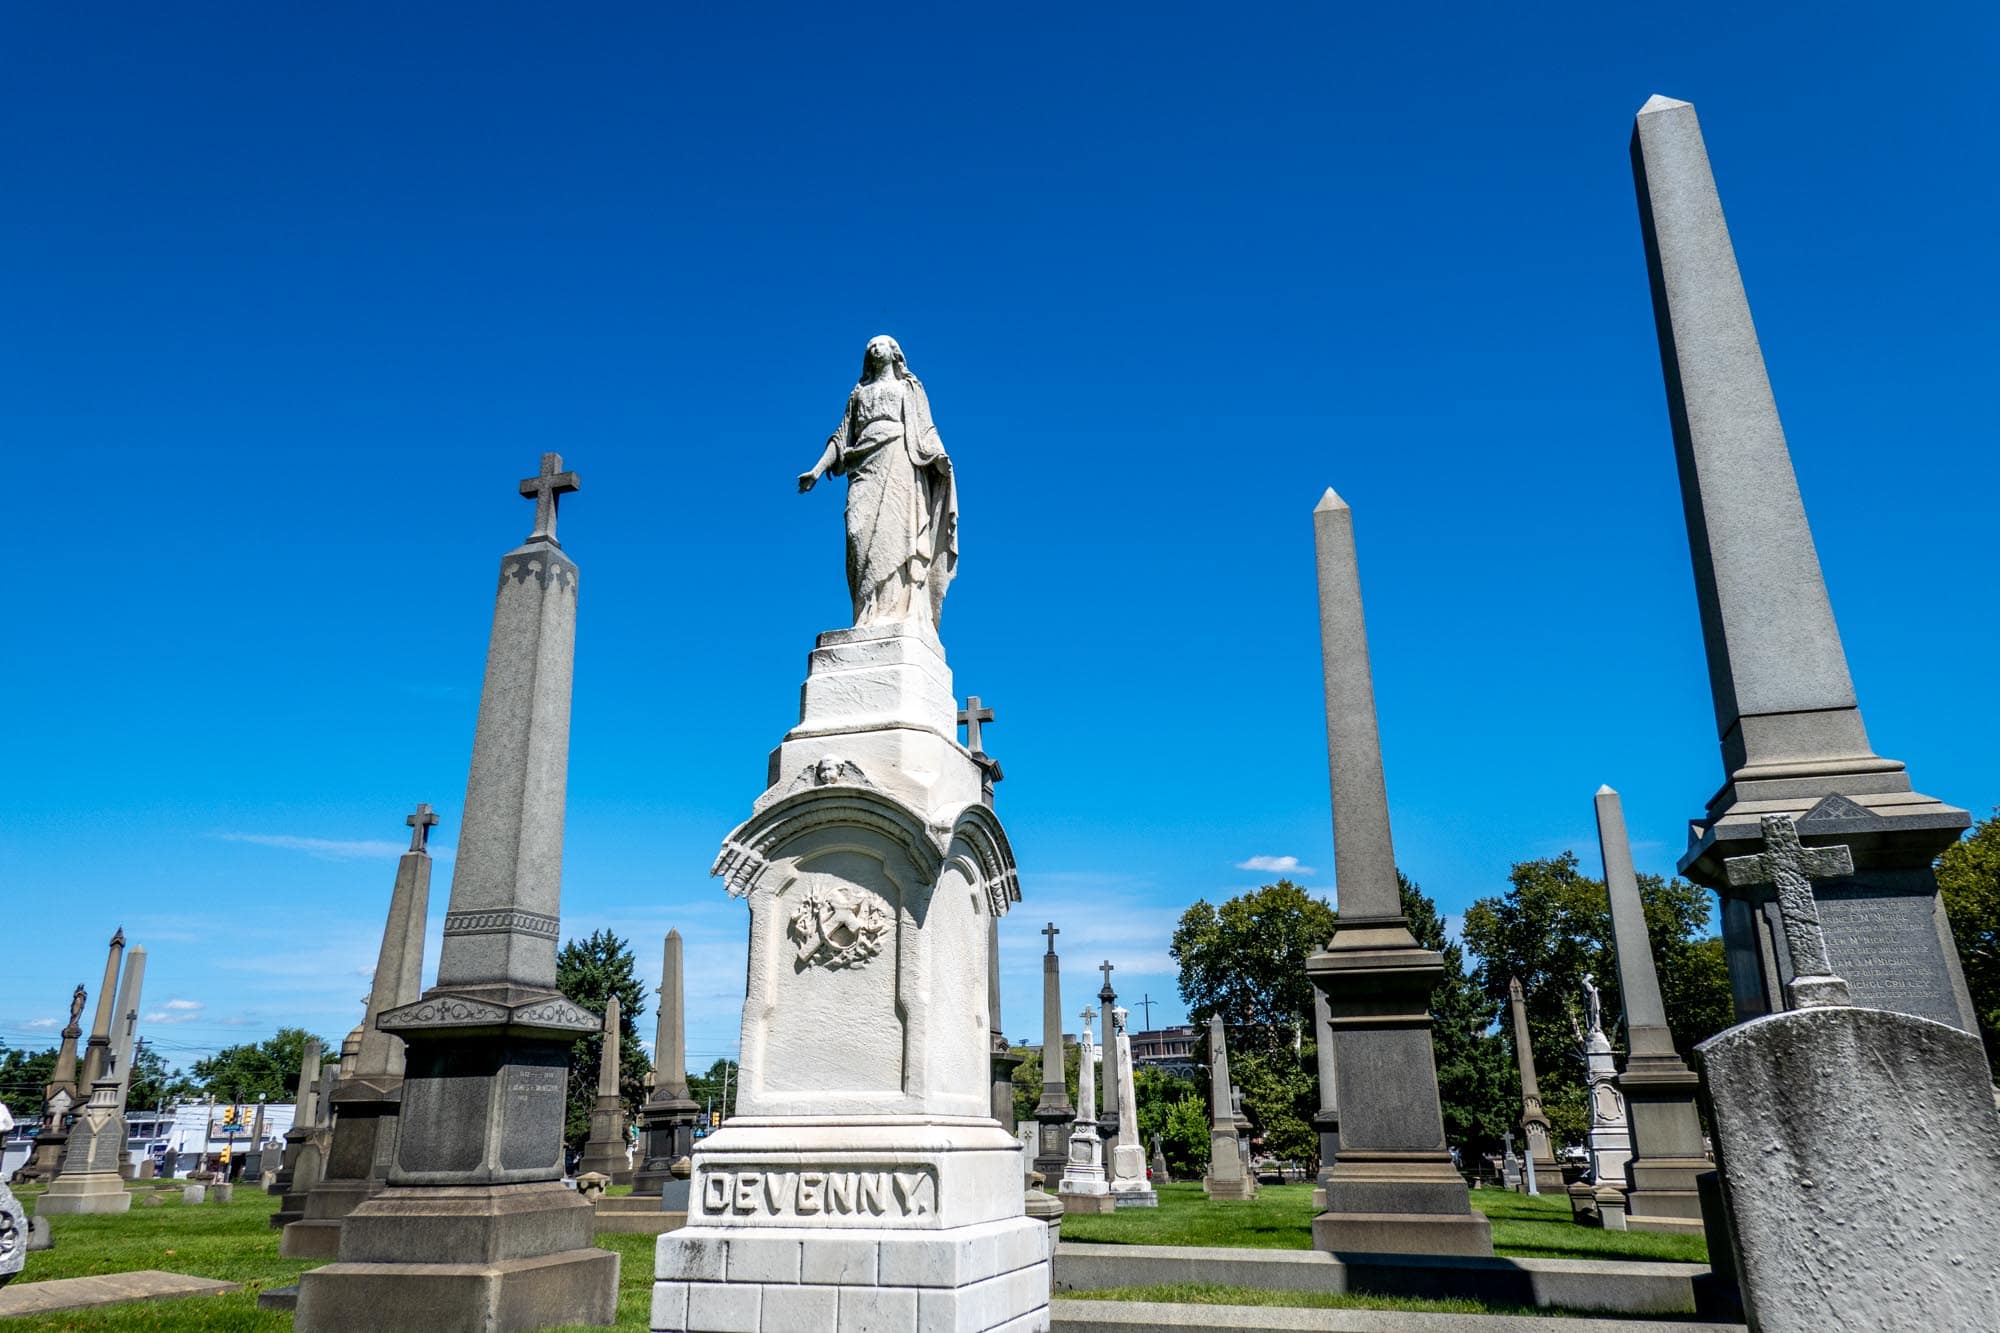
<point>1245,961</point>
<point>1155,1092</point>
<point>24,1076</point>
<point>1968,876</point>
<point>1185,1137</point>
<point>716,1089</point>
<point>152,1085</point>
<point>590,971</point>
<point>1474,1069</point>
<point>1551,927</point>
<point>268,1069</point>
<point>1028,1080</point>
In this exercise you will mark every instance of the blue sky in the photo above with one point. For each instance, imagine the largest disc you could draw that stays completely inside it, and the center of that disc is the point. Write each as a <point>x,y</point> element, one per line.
<point>294,299</point>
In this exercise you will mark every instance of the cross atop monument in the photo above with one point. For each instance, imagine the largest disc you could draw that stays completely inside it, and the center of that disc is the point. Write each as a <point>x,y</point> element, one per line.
<point>1792,867</point>
<point>970,717</point>
<point>1052,930</point>
<point>545,488</point>
<point>421,821</point>
<point>1107,994</point>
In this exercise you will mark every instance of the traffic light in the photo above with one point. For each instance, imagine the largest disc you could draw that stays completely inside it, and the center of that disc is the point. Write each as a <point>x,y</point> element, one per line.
<point>715,1119</point>
<point>228,1118</point>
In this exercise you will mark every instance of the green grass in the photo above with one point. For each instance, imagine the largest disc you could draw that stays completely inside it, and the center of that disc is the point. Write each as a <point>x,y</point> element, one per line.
<point>1280,1218</point>
<point>230,1242</point>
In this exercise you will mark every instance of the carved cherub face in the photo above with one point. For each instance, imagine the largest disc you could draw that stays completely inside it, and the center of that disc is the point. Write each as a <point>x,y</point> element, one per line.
<point>827,770</point>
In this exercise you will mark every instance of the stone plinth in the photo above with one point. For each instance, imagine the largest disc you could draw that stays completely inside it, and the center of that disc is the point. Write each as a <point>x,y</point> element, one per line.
<point>863,1181</point>
<point>637,1214</point>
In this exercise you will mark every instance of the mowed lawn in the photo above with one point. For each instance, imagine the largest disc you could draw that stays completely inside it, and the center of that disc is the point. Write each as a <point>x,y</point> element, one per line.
<point>1280,1218</point>
<point>233,1242</point>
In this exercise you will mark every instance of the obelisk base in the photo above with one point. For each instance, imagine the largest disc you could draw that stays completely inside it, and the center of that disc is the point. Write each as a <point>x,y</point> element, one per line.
<point>1393,1188</point>
<point>637,1215</point>
<point>1667,1144</point>
<point>604,1150</point>
<point>497,1258</point>
<point>666,1134</point>
<point>85,1192</point>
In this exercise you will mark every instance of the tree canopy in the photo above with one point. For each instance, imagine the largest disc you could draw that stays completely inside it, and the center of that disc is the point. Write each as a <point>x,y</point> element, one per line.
<point>590,971</point>
<point>1246,962</point>
<point>267,1069</point>
<point>1968,876</point>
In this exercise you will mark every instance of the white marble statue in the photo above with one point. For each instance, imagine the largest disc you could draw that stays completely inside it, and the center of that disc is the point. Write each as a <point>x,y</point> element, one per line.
<point>902,500</point>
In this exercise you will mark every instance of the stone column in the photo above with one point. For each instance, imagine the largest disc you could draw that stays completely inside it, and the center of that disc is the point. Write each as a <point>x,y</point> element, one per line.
<point>305,1110</point>
<point>1107,1000</point>
<point>1004,1061</point>
<point>1085,1188</point>
<point>667,1120</point>
<point>477,1176</point>
<point>1226,1177</point>
<point>97,1055</point>
<point>1129,1186</point>
<point>1610,1139</point>
<point>90,1181</point>
<point>1327,1120</point>
<point>59,1099</point>
<point>1534,1120</point>
<point>1658,1087</point>
<point>366,1101</point>
<point>604,1151</point>
<point>1393,1188</point>
<point>1786,714</point>
<point>1053,1112</point>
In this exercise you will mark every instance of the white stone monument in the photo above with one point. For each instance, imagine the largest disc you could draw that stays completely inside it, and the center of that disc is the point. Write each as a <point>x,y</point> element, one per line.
<point>863,1182</point>
<point>1610,1132</point>
<point>1129,1186</point>
<point>1084,1187</point>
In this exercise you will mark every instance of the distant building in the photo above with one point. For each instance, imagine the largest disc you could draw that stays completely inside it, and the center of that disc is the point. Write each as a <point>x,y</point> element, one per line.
<point>1169,1049</point>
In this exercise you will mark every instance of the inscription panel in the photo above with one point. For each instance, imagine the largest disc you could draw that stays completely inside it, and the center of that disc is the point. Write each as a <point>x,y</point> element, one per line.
<point>834,1196</point>
<point>1887,947</point>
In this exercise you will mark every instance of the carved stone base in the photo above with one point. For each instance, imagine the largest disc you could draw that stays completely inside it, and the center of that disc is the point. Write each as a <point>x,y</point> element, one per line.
<point>85,1192</point>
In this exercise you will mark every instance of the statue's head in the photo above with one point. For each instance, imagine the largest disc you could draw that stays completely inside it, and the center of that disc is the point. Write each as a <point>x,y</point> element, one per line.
<point>882,354</point>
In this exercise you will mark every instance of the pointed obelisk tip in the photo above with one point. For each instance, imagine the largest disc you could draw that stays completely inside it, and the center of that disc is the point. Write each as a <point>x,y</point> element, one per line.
<point>1329,502</point>
<point>1658,103</point>
<point>1607,790</point>
<point>674,933</point>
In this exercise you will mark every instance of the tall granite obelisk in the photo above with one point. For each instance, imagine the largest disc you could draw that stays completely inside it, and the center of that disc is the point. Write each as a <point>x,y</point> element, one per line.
<point>91,1181</point>
<point>667,1120</point>
<point>59,1099</point>
<point>604,1151</point>
<point>1053,1112</point>
<point>1129,1186</point>
<point>1107,1113</point>
<point>1393,1187</point>
<point>864,1181</point>
<point>97,1053</point>
<point>1785,709</point>
<point>476,1229</point>
<point>1659,1088</point>
<point>366,1100</point>
<point>1226,1177</point>
<point>1534,1120</point>
<point>305,1114</point>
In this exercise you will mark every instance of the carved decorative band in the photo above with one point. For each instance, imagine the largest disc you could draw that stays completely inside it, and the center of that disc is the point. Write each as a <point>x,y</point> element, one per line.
<point>504,922</point>
<point>541,565</point>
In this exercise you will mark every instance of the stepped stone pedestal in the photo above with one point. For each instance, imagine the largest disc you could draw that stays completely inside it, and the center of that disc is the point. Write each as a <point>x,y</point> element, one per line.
<point>90,1181</point>
<point>864,1182</point>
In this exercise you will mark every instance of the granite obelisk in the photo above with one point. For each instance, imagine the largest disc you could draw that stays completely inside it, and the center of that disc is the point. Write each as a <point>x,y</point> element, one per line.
<point>1226,1178</point>
<point>91,1181</point>
<point>305,1112</point>
<point>1659,1088</point>
<point>1393,1187</point>
<point>1129,1186</point>
<point>1053,1112</point>
<point>1534,1120</point>
<point>1786,713</point>
<point>476,1229</point>
<point>366,1100</point>
<point>97,1053</point>
<point>1107,1114</point>
<point>604,1151</point>
<point>667,1120</point>
<point>59,1100</point>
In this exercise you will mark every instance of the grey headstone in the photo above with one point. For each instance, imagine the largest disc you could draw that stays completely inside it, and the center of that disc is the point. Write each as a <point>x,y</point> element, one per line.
<point>13,1235</point>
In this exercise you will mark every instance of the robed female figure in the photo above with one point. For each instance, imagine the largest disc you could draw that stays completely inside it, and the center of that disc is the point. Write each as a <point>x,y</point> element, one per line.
<point>902,501</point>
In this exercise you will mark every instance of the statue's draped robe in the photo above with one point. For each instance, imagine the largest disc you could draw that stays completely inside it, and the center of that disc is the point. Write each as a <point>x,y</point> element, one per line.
<point>902,502</point>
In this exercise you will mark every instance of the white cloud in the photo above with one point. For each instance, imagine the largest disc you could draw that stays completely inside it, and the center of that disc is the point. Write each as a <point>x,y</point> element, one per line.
<point>1275,865</point>
<point>331,849</point>
<point>42,1024</point>
<point>177,1011</point>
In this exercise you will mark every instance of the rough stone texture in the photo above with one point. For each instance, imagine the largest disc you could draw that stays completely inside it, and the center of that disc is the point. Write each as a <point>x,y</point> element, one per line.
<point>668,1119</point>
<point>1631,1287</point>
<point>1225,1178</point>
<point>1393,1183</point>
<point>1860,1157</point>
<point>475,1229</point>
<point>1789,724</point>
<point>85,1293</point>
<point>13,1236</point>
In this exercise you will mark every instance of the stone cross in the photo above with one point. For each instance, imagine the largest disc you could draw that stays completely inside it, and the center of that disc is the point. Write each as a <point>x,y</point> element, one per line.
<point>1107,993</point>
<point>970,717</point>
<point>1792,867</point>
<point>1051,931</point>
<point>546,488</point>
<point>421,821</point>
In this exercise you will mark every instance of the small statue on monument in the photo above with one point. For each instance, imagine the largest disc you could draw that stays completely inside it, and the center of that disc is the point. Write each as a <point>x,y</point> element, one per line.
<point>902,500</point>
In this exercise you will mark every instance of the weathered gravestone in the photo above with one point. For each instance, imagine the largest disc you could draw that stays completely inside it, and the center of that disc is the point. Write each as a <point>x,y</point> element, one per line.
<point>864,1182</point>
<point>13,1235</point>
<point>1859,1147</point>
